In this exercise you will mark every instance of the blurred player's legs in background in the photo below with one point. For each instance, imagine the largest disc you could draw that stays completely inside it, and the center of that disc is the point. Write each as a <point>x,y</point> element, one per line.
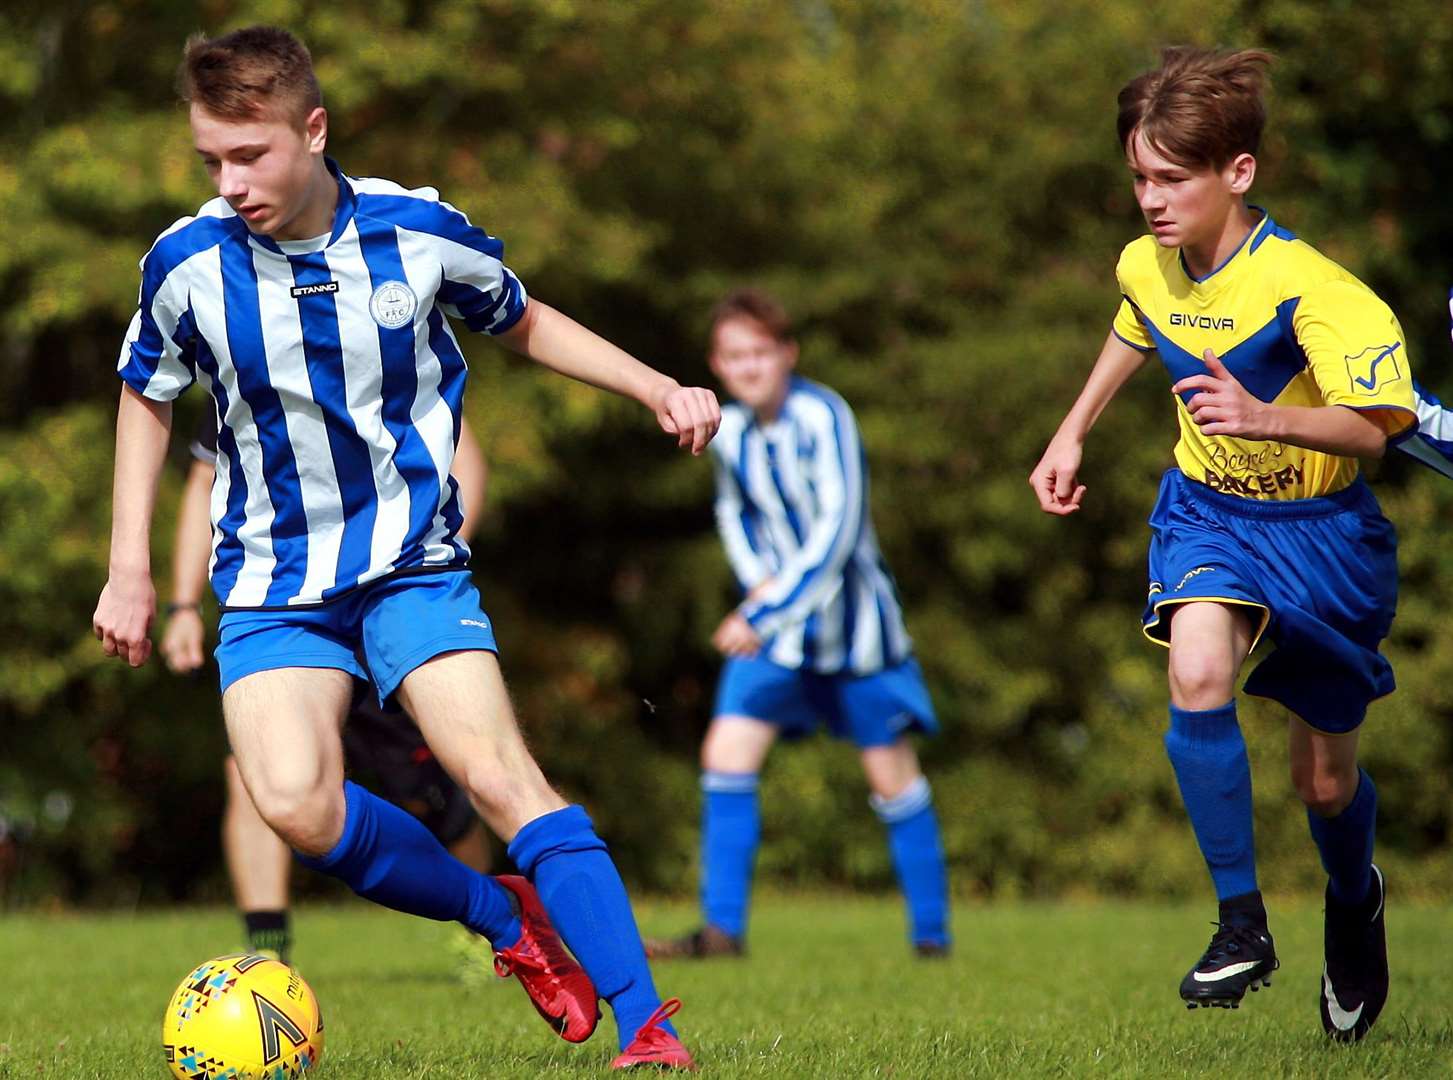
<point>903,801</point>
<point>732,757</point>
<point>384,751</point>
<point>258,864</point>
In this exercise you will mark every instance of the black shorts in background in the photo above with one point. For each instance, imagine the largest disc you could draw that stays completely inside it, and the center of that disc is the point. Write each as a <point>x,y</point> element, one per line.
<point>386,753</point>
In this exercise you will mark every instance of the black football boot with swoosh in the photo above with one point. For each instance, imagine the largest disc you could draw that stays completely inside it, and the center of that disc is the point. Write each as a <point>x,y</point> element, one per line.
<point>1241,957</point>
<point>1354,978</point>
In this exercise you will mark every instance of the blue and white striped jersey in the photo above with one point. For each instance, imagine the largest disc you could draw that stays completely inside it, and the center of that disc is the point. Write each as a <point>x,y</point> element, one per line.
<point>1432,443</point>
<point>792,510</point>
<point>338,383</point>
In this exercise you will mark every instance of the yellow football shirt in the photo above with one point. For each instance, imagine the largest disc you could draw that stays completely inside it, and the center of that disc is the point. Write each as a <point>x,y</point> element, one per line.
<point>1293,327</point>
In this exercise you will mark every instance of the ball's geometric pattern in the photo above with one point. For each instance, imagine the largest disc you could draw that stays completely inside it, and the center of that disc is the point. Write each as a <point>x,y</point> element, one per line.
<point>242,1017</point>
<point>211,980</point>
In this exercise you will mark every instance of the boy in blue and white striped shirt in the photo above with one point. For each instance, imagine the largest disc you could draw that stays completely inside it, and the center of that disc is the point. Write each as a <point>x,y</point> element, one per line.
<point>312,305</point>
<point>818,639</point>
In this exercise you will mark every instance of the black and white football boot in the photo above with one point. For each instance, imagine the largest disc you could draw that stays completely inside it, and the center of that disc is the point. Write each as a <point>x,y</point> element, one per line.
<point>1354,977</point>
<point>1241,956</point>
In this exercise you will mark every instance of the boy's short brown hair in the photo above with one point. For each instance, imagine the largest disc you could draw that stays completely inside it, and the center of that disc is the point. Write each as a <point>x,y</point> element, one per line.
<point>248,73</point>
<point>1201,108</point>
<point>754,304</point>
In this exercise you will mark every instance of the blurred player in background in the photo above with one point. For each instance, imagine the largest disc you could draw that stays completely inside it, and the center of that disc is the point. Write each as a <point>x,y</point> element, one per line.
<point>1285,369</point>
<point>313,306</point>
<point>818,639</point>
<point>382,745</point>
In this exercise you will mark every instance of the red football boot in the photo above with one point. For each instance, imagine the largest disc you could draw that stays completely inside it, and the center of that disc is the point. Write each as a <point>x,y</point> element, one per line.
<point>654,1045</point>
<point>557,986</point>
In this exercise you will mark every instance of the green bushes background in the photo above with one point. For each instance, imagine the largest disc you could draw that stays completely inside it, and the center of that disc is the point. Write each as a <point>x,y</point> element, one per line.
<point>935,190</point>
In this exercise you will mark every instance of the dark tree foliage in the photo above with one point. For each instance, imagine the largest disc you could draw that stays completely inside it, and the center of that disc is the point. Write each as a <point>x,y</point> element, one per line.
<point>934,189</point>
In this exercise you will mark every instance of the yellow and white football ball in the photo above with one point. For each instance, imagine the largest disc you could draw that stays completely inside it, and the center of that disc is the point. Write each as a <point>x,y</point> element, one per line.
<point>242,1017</point>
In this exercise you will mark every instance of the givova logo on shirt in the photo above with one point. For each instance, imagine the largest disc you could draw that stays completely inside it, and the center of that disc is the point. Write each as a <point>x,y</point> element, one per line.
<point>1373,368</point>
<point>393,305</point>
<point>1203,322</point>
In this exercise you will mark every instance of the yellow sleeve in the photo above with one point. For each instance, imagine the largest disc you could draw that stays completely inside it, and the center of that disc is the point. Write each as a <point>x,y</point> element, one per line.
<point>1129,329</point>
<point>1127,325</point>
<point>1356,352</point>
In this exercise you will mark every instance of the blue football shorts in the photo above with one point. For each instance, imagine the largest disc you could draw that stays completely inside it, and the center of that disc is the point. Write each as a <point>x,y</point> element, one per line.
<point>392,626</point>
<point>1317,576</point>
<point>871,710</point>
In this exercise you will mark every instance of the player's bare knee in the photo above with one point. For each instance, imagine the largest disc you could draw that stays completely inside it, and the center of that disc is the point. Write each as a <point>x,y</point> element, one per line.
<point>717,755</point>
<point>308,817</point>
<point>888,791</point>
<point>736,744</point>
<point>1325,794</point>
<point>1200,679</point>
<point>891,770</point>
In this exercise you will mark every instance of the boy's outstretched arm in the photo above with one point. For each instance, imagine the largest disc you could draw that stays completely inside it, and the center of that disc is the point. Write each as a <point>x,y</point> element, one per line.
<point>128,602</point>
<point>560,343</point>
<point>1055,479</point>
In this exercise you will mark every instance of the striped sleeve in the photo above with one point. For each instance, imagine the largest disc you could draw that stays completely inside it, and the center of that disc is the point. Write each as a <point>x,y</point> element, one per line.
<point>477,286</point>
<point>733,527</point>
<point>836,474</point>
<point>1432,444</point>
<point>157,357</point>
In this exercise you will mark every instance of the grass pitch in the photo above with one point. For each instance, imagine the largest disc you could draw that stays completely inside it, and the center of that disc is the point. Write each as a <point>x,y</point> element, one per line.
<point>828,991</point>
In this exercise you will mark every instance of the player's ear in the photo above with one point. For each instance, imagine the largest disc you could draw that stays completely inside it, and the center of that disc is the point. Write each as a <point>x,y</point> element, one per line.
<point>789,348</point>
<point>316,129</point>
<point>1240,173</point>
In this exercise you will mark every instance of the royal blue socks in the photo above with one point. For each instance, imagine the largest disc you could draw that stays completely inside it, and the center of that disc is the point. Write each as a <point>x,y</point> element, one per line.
<point>387,856</point>
<point>1208,754</point>
<point>917,850</point>
<point>1345,843</point>
<point>585,899</point>
<point>731,829</point>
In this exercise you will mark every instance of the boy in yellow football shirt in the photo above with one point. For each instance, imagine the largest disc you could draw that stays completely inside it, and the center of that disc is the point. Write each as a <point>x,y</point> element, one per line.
<point>1285,369</point>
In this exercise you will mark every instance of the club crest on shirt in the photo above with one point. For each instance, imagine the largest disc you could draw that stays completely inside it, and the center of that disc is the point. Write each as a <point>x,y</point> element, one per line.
<point>1373,368</point>
<point>393,305</point>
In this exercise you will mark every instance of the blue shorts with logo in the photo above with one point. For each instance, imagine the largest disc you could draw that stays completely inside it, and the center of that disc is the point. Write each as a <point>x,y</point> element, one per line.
<point>871,710</point>
<point>1318,577</point>
<point>379,631</point>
